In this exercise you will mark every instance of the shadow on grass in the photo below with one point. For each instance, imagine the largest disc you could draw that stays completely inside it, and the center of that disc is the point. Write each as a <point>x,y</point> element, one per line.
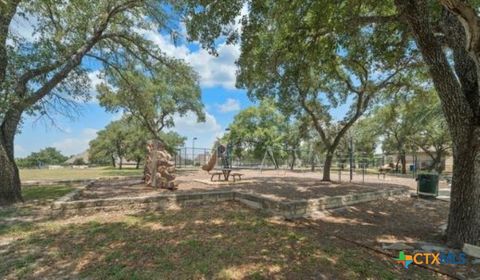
<point>223,241</point>
<point>410,221</point>
<point>23,218</point>
<point>403,220</point>
<point>45,193</point>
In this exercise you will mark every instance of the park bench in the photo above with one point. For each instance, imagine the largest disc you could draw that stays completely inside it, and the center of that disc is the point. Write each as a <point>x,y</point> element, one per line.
<point>238,175</point>
<point>216,174</point>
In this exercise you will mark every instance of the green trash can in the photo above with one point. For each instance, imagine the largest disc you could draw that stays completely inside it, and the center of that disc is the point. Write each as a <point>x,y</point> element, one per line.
<point>427,185</point>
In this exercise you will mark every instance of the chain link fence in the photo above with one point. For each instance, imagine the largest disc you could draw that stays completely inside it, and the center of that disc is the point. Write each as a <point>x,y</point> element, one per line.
<point>306,160</point>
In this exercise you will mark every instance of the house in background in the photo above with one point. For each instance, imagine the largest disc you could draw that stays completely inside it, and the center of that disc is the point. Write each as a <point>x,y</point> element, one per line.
<point>422,160</point>
<point>74,160</point>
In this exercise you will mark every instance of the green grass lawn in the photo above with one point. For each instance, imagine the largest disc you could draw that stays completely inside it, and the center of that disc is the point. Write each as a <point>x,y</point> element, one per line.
<point>222,241</point>
<point>45,193</point>
<point>74,174</point>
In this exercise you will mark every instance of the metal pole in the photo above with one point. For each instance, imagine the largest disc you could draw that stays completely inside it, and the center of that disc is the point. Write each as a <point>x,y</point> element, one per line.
<point>363,172</point>
<point>193,150</point>
<point>414,165</point>
<point>179,158</point>
<point>363,169</point>
<point>351,158</point>
<point>340,174</point>
<point>413,169</point>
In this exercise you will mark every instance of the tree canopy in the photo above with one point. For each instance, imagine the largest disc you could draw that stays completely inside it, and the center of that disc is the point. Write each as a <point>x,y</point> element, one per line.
<point>412,123</point>
<point>444,32</point>
<point>153,98</point>
<point>126,139</point>
<point>47,156</point>
<point>302,54</point>
<point>257,128</point>
<point>47,72</point>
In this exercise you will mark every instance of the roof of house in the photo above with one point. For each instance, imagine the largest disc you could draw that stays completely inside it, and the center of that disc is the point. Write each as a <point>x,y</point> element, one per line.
<point>83,156</point>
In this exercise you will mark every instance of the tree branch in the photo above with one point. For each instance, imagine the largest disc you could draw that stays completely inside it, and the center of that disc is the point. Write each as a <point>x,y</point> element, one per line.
<point>365,20</point>
<point>467,15</point>
<point>77,57</point>
<point>7,12</point>
<point>316,121</point>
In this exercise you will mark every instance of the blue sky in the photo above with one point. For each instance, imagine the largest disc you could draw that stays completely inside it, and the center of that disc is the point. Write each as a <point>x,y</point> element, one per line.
<point>219,95</point>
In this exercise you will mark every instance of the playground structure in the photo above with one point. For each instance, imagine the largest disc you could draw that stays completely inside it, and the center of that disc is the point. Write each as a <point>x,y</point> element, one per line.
<point>159,166</point>
<point>223,153</point>
<point>350,166</point>
<point>219,152</point>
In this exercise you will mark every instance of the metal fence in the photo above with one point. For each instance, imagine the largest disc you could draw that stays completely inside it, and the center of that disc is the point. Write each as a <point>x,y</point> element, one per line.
<point>302,159</point>
<point>191,156</point>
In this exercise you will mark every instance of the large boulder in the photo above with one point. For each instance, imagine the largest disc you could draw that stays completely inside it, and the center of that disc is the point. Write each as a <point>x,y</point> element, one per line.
<point>159,166</point>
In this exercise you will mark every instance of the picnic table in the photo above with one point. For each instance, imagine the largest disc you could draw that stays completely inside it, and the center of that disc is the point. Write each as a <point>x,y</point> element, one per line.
<point>225,172</point>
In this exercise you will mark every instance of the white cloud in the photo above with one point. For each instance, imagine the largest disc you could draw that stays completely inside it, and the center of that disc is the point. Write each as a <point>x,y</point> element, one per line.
<point>216,71</point>
<point>165,43</point>
<point>95,80</point>
<point>206,132</point>
<point>188,123</point>
<point>72,146</point>
<point>213,70</point>
<point>231,105</point>
<point>23,26</point>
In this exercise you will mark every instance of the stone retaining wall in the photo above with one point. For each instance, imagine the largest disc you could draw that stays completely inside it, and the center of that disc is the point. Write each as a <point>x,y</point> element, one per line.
<point>290,209</point>
<point>29,183</point>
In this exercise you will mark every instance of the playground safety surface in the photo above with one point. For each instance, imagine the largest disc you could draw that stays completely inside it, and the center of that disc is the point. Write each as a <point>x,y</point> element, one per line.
<point>277,185</point>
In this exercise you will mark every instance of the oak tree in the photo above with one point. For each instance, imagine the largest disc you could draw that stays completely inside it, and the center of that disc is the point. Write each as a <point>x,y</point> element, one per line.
<point>41,72</point>
<point>446,34</point>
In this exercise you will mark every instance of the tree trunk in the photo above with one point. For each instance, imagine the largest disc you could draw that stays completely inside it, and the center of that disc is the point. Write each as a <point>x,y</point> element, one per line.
<point>403,161</point>
<point>437,162</point>
<point>120,163</point>
<point>138,164</point>
<point>327,166</point>
<point>312,161</point>
<point>294,158</point>
<point>113,161</point>
<point>458,93</point>
<point>464,216</point>
<point>9,8</point>
<point>10,186</point>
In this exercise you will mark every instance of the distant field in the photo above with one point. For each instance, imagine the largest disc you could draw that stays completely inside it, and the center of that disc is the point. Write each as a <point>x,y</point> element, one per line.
<point>75,174</point>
